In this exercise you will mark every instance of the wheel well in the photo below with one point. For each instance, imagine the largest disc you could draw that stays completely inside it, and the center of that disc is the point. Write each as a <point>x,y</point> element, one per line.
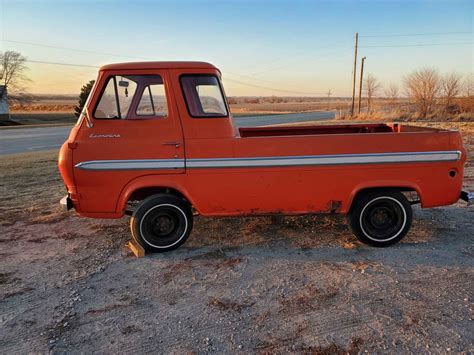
<point>144,192</point>
<point>411,194</point>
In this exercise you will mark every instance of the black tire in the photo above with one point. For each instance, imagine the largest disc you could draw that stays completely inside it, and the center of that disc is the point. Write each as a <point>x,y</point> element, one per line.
<point>380,218</point>
<point>161,222</point>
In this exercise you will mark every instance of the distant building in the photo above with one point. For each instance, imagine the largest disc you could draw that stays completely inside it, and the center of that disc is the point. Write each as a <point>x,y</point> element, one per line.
<point>4,112</point>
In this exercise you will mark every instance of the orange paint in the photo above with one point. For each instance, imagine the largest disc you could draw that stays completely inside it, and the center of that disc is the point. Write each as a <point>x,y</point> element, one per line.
<point>225,171</point>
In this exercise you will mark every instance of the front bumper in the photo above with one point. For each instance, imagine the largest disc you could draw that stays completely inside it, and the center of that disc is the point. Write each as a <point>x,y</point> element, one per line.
<point>467,196</point>
<point>66,203</point>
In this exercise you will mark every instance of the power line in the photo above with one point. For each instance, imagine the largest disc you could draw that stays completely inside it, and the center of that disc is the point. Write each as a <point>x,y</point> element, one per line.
<point>100,53</point>
<point>418,45</point>
<point>252,78</point>
<point>114,55</point>
<point>418,34</point>
<point>249,77</point>
<point>70,49</point>
<point>275,89</point>
<point>65,64</point>
<point>282,66</point>
<point>231,80</point>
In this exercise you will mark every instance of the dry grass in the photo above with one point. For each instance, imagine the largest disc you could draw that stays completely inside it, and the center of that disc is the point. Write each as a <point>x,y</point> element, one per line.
<point>30,188</point>
<point>307,299</point>
<point>462,110</point>
<point>302,232</point>
<point>397,115</point>
<point>43,108</point>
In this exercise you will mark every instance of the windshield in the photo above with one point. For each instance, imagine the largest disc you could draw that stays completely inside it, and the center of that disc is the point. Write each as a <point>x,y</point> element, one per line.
<point>145,92</point>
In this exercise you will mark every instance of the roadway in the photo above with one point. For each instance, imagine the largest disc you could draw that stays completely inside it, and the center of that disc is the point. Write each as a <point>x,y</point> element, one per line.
<point>21,140</point>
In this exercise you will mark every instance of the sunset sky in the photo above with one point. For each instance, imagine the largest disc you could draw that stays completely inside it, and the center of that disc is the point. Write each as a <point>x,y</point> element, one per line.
<point>262,47</point>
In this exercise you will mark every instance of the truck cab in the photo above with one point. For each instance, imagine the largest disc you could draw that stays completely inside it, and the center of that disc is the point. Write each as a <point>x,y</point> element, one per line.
<point>157,140</point>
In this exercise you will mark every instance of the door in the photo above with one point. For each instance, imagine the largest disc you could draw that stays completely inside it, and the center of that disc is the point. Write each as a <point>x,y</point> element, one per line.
<point>135,131</point>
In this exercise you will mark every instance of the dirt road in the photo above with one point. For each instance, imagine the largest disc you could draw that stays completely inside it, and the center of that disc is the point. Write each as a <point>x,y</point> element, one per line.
<point>238,285</point>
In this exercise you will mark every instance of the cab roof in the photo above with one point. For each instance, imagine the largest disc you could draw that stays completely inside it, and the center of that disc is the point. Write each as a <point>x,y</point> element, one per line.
<point>158,65</point>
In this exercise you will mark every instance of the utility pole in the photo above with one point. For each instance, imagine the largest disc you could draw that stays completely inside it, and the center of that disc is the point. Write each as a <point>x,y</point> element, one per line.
<point>355,74</point>
<point>329,98</point>
<point>360,85</point>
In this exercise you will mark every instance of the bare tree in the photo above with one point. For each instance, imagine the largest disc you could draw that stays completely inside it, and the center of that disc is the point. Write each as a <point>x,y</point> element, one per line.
<point>392,92</point>
<point>371,86</point>
<point>451,85</point>
<point>422,86</point>
<point>468,85</point>
<point>12,68</point>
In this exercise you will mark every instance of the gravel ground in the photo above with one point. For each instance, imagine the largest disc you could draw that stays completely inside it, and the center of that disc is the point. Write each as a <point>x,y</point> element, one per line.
<point>72,286</point>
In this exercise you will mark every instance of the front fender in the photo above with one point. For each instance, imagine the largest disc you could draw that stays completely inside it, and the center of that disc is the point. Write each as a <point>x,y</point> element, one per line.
<point>173,181</point>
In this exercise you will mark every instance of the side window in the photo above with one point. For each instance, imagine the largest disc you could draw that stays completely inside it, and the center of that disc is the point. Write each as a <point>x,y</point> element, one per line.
<point>126,90</point>
<point>153,101</point>
<point>107,107</point>
<point>203,95</point>
<point>145,92</point>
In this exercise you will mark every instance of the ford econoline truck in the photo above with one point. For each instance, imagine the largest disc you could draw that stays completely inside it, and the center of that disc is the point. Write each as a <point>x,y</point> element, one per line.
<point>156,141</point>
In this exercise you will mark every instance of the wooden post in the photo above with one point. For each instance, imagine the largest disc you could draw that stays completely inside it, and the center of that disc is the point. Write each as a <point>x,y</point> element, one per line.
<point>360,85</point>
<point>136,249</point>
<point>355,74</point>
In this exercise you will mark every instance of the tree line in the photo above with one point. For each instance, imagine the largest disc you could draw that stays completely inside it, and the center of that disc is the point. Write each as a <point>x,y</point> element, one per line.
<point>426,88</point>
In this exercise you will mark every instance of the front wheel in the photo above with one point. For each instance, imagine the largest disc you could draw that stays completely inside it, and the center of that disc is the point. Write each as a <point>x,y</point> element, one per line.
<point>161,222</point>
<point>380,218</point>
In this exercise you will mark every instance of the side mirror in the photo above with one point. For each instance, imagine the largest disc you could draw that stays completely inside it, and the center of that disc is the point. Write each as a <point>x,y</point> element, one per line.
<point>86,115</point>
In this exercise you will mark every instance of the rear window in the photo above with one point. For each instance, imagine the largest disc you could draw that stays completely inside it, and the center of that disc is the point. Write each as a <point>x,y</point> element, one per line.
<point>146,93</point>
<point>203,95</point>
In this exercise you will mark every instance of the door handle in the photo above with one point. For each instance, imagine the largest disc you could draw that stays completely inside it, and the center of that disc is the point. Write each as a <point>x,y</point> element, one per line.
<point>176,144</point>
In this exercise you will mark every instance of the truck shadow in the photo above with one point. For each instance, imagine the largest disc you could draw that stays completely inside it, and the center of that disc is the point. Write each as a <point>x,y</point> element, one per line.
<point>435,234</point>
<point>300,232</point>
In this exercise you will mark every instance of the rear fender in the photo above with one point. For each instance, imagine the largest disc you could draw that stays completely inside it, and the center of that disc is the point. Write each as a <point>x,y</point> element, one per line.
<point>390,184</point>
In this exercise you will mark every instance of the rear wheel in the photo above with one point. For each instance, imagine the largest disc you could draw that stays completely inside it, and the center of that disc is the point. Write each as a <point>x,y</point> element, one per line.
<point>380,218</point>
<point>161,222</point>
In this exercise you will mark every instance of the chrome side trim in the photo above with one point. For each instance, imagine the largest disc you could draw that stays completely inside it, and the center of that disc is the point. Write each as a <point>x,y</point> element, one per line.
<point>337,159</point>
<point>143,164</point>
<point>306,160</point>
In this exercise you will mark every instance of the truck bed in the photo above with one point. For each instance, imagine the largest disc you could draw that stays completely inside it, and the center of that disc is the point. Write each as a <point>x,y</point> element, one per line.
<point>247,132</point>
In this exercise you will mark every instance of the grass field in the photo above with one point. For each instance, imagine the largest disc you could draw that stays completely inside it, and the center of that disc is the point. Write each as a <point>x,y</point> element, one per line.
<point>30,186</point>
<point>59,109</point>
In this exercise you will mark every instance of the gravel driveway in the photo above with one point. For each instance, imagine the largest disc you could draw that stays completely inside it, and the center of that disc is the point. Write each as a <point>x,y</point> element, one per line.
<point>248,284</point>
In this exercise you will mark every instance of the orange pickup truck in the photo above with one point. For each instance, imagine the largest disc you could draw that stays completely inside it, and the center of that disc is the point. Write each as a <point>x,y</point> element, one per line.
<point>156,140</point>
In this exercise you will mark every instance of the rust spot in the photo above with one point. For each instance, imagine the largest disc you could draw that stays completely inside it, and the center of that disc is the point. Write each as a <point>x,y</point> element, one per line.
<point>256,212</point>
<point>333,206</point>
